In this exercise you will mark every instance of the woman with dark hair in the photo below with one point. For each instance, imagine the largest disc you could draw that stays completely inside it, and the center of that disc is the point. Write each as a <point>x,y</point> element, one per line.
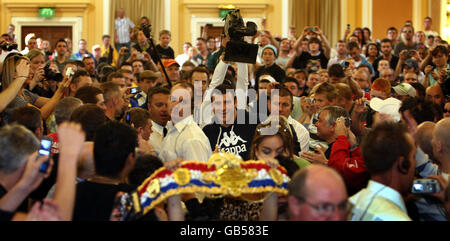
<point>278,146</point>
<point>359,32</point>
<point>367,34</point>
<point>273,149</point>
<point>372,52</point>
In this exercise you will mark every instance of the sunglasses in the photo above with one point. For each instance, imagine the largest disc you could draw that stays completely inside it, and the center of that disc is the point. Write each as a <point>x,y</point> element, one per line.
<point>16,56</point>
<point>446,111</point>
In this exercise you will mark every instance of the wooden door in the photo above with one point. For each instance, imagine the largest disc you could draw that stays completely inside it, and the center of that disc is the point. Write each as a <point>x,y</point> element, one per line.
<point>50,33</point>
<point>213,31</point>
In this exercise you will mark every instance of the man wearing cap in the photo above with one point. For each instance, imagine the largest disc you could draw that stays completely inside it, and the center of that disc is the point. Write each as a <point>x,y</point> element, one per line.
<point>269,55</point>
<point>172,69</point>
<point>30,42</point>
<point>403,91</point>
<point>97,52</point>
<point>145,80</point>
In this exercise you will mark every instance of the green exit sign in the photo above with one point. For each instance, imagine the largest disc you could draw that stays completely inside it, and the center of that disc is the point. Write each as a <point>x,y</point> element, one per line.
<point>223,12</point>
<point>46,12</point>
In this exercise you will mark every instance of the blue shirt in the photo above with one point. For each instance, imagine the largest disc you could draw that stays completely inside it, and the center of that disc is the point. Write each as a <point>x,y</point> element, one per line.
<point>79,56</point>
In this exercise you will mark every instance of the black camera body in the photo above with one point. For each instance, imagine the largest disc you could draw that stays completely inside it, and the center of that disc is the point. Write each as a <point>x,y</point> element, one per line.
<point>237,49</point>
<point>51,75</point>
<point>425,186</point>
<point>8,46</point>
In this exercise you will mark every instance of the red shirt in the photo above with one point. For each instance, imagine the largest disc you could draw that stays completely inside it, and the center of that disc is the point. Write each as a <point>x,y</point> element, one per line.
<point>55,145</point>
<point>349,163</point>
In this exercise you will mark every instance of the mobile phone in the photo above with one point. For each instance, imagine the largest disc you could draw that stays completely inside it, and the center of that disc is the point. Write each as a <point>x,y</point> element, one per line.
<point>348,122</point>
<point>346,64</point>
<point>45,150</point>
<point>140,56</point>
<point>134,91</point>
<point>70,72</point>
<point>366,103</point>
<point>425,186</point>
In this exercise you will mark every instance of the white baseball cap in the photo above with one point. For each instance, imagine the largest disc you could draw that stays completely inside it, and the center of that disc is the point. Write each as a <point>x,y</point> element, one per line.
<point>389,106</point>
<point>405,89</point>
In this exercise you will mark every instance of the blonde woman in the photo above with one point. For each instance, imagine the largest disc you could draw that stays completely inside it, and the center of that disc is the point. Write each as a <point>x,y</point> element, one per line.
<point>17,66</point>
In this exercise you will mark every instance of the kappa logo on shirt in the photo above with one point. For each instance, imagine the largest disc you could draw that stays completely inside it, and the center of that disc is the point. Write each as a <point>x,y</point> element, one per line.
<point>228,143</point>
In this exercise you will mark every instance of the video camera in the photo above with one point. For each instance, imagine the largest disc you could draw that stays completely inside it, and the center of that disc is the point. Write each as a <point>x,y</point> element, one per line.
<point>237,49</point>
<point>8,46</point>
<point>51,75</point>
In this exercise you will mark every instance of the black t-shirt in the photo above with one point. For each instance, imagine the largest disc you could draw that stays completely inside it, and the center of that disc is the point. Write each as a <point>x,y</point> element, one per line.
<point>6,216</point>
<point>301,62</point>
<point>149,50</point>
<point>95,201</point>
<point>165,53</point>
<point>234,139</point>
<point>393,64</point>
<point>275,71</point>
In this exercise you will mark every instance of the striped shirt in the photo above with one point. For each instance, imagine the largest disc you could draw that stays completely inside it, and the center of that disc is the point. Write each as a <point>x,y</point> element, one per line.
<point>123,26</point>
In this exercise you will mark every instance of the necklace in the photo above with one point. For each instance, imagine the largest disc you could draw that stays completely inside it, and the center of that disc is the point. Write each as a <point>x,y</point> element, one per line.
<point>104,180</point>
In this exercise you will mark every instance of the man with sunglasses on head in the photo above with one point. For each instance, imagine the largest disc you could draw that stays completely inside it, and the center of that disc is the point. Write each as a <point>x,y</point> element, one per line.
<point>341,150</point>
<point>406,42</point>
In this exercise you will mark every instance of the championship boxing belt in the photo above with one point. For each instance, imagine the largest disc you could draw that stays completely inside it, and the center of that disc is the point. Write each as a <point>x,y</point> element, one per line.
<point>223,175</point>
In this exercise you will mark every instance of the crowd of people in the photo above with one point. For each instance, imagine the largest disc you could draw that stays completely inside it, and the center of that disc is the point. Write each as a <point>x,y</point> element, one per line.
<point>356,123</point>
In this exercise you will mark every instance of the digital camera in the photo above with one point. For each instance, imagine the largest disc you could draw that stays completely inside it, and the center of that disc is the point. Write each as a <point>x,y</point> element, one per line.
<point>425,186</point>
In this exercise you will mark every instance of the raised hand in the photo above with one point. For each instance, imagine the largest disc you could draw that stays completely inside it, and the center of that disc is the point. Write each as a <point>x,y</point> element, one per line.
<point>174,164</point>
<point>48,211</point>
<point>23,68</point>
<point>32,177</point>
<point>315,158</point>
<point>71,138</point>
<point>360,107</point>
<point>341,129</point>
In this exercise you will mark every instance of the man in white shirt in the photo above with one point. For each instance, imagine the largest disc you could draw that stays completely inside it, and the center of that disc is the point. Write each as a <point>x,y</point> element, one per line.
<point>157,99</point>
<point>425,206</point>
<point>184,139</point>
<point>122,31</point>
<point>389,155</point>
<point>282,103</point>
<point>441,146</point>
<point>182,58</point>
<point>427,23</point>
<point>341,50</point>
